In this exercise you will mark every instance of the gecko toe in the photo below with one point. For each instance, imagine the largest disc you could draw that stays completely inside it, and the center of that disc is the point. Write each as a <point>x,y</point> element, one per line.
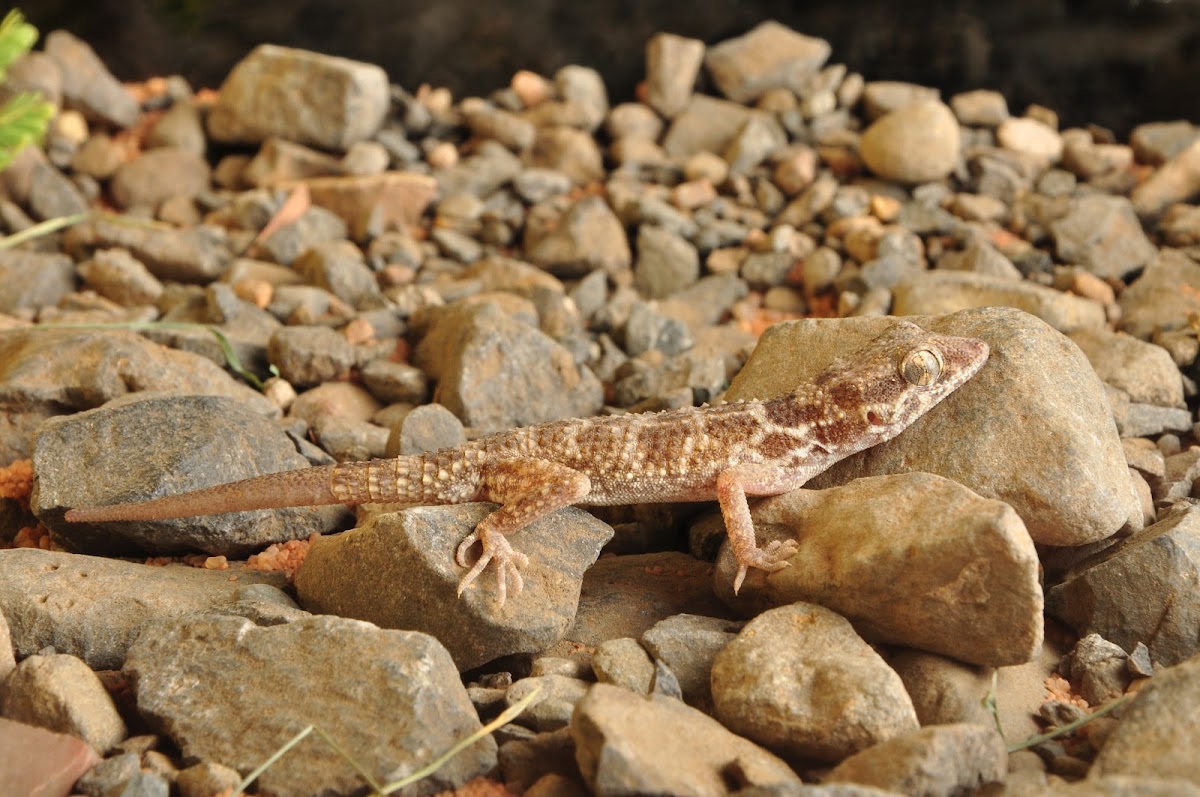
<point>464,547</point>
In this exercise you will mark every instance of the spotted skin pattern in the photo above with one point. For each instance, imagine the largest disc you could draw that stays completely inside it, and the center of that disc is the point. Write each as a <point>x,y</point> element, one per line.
<point>728,451</point>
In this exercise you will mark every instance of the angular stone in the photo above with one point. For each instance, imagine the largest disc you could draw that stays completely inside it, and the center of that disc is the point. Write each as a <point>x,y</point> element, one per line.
<point>399,198</point>
<point>301,96</point>
<point>911,559</point>
<point>32,280</point>
<point>769,56</point>
<point>672,64</point>
<point>629,744</point>
<point>1162,298</point>
<point>60,693</point>
<point>197,254</point>
<point>587,236</point>
<point>163,445</point>
<point>86,82</point>
<point>1102,234</point>
<point>939,760</point>
<point>688,643</point>
<point>1142,370</point>
<point>256,687</point>
<point>157,175</point>
<point>1141,590</point>
<point>397,570</point>
<point>799,681</point>
<point>1175,181</point>
<point>478,354</point>
<point>665,262</point>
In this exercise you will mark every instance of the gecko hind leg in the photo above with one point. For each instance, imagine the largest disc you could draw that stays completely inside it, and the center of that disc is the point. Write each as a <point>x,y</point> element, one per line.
<point>526,489</point>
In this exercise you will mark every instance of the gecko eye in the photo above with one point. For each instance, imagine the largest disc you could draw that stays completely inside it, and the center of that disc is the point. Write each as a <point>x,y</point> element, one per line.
<point>922,367</point>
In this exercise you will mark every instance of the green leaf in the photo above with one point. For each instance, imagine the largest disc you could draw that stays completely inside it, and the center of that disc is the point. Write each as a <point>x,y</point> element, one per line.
<point>23,121</point>
<point>17,37</point>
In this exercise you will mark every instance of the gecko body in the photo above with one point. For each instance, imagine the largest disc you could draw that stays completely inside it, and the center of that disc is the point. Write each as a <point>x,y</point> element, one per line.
<point>727,452</point>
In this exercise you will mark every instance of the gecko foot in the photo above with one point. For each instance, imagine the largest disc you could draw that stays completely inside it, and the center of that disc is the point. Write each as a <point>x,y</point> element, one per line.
<point>774,557</point>
<point>495,548</point>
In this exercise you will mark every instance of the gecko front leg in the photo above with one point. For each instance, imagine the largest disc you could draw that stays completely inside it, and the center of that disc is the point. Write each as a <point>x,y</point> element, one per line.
<point>733,485</point>
<point>526,489</point>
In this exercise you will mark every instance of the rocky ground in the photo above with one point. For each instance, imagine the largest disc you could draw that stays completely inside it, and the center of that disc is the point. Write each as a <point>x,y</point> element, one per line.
<point>415,270</point>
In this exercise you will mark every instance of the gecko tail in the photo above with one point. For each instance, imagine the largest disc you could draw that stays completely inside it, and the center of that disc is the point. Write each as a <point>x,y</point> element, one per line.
<point>304,487</point>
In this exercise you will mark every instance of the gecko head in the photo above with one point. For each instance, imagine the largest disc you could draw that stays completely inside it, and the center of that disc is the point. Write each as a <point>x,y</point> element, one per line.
<point>874,394</point>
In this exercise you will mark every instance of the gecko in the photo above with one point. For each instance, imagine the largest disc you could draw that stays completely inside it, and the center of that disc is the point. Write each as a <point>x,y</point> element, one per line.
<point>725,451</point>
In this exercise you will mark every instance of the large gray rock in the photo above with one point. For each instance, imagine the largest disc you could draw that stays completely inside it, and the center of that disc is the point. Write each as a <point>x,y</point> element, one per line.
<point>148,447</point>
<point>392,700</point>
<point>94,608</point>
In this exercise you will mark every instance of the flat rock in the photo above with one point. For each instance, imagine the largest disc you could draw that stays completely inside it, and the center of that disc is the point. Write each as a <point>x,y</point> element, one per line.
<point>629,744</point>
<point>706,124</point>
<point>398,199</point>
<point>916,143</point>
<point>397,570</point>
<point>1140,590</point>
<point>36,761</point>
<point>157,175</point>
<point>942,292</point>
<point>302,96</point>
<point>479,354</point>
<point>912,559</point>
<point>94,608</point>
<point>1065,476</point>
<point>799,681</point>
<point>44,373</point>
<point>164,445</point>
<point>60,693</point>
<point>258,686</point>
<point>195,254</point>
<point>938,761</point>
<point>1156,733</point>
<point>769,56</point>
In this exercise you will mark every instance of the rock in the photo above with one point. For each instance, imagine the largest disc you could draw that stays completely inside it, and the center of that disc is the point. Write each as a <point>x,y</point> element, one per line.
<point>478,353</point>
<point>119,276</point>
<point>628,744</point>
<point>392,199</point>
<point>583,88</point>
<point>1157,142</point>
<point>180,127</point>
<point>757,138</point>
<point>160,445</point>
<point>481,174</point>
<point>551,711</point>
<point>981,107</point>
<point>52,194</point>
<point>1138,591</point>
<point>1098,670</point>
<point>688,643</point>
<point>587,236</point>
<point>881,97</point>
<point>944,691</point>
<point>158,175</point>
<point>487,121</point>
<point>87,84</point>
<point>912,559</point>
<point>98,157</point>
<point>314,226</point>
<point>770,55</point>
<point>259,685</point>
<point>94,608</point>
<point>1030,137</point>
<point>33,279</point>
<point>1128,786</point>
<point>206,779</point>
<point>1077,493</point>
<point>568,150</point>
<point>942,292</point>
<point>111,775</point>
<point>1175,181</point>
<point>60,693</point>
<point>799,681</point>
<point>1161,299</point>
<point>1102,234</point>
<point>1153,737</point>
<point>938,761</point>
<point>339,267</point>
<point>393,382</point>
<point>707,124</point>
<point>35,761</point>
<point>916,143</point>
<point>309,355</point>
<point>397,570</point>
<point>196,254</point>
<point>7,661</point>
<point>665,262</point>
<point>301,96</point>
<point>672,65</point>
<point>625,663</point>
<point>44,373</point>
<point>426,428</point>
<point>981,258</point>
<point>1144,371</point>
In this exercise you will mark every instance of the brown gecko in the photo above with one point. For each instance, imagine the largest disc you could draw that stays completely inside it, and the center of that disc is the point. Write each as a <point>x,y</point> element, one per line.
<point>727,451</point>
